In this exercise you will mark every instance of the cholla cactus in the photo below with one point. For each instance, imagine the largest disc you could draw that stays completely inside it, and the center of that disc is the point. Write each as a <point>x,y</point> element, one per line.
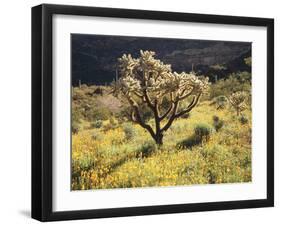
<point>147,80</point>
<point>239,101</point>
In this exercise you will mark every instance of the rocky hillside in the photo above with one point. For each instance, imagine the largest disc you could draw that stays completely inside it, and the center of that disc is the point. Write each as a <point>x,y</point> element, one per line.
<point>94,57</point>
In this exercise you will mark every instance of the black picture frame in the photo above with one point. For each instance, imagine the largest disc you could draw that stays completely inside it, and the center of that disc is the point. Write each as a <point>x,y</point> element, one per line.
<point>42,111</point>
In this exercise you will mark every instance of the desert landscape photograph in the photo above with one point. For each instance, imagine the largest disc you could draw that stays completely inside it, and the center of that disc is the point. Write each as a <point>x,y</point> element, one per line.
<point>151,112</point>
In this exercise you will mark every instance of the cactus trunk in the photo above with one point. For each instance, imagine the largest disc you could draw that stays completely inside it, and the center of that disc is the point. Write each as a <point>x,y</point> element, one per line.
<point>159,139</point>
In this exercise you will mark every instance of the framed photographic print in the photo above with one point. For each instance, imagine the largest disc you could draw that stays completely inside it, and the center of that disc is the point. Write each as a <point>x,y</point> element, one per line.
<point>147,112</point>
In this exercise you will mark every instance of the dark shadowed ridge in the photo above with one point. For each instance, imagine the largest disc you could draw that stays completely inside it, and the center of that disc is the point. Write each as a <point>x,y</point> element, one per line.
<point>94,57</point>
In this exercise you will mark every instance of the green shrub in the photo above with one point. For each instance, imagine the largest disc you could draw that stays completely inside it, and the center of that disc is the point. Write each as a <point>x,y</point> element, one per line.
<point>203,131</point>
<point>221,102</point>
<point>129,131</point>
<point>146,149</point>
<point>97,124</point>
<point>189,142</point>
<point>243,119</point>
<point>217,122</point>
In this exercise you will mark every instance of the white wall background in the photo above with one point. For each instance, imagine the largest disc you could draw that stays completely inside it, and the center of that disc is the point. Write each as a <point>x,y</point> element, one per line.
<point>15,118</point>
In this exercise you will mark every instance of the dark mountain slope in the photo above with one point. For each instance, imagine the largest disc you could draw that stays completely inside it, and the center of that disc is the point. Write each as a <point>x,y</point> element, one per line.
<point>94,57</point>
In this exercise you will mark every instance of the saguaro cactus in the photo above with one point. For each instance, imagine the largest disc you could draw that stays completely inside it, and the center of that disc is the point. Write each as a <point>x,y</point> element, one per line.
<point>147,80</point>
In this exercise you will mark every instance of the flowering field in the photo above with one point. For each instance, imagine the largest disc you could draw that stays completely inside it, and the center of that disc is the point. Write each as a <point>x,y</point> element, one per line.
<point>114,153</point>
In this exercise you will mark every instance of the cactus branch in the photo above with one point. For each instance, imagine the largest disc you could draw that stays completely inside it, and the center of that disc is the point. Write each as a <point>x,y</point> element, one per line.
<point>149,80</point>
